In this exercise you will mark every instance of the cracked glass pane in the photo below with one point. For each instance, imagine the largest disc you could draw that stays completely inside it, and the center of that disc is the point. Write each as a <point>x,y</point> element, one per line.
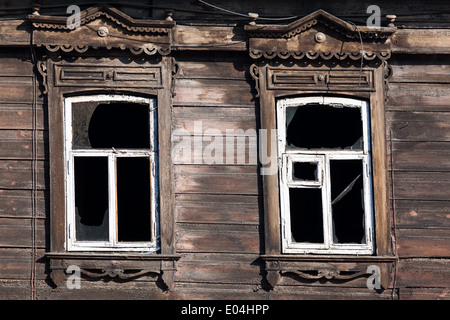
<point>347,198</point>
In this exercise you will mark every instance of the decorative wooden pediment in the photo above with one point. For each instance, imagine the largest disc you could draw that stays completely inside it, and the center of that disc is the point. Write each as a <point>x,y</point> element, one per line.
<point>319,35</point>
<point>102,26</point>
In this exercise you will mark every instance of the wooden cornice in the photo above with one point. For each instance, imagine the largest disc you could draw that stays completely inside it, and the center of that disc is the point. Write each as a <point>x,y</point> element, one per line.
<point>103,26</point>
<point>92,13</point>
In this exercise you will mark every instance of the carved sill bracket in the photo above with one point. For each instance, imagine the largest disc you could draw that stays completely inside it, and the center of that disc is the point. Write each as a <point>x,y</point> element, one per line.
<point>121,266</point>
<point>326,268</point>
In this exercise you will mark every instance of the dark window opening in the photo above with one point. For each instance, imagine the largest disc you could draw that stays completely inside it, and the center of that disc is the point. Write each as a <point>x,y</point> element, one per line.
<point>114,125</point>
<point>304,171</point>
<point>91,198</point>
<point>323,126</point>
<point>347,201</point>
<point>133,199</point>
<point>306,215</point>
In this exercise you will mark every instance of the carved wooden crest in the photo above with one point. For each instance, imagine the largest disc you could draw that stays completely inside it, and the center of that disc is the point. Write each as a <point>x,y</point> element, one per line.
<point>102,26</point>
<point>319,35</point>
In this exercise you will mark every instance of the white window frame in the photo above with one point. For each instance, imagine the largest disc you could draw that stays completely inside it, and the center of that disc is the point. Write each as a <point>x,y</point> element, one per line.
<point>112,244</point>
<point>323,156</point>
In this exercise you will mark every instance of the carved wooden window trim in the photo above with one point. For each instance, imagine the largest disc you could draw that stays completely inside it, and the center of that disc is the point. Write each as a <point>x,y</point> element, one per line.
<point>321,55</point>
<point>322,158</point>
<point>71,66</point>
<point>111,157</point>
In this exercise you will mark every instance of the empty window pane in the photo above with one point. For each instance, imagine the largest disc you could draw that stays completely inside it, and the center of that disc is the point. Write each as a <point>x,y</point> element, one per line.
<point>306,215</point>
<point>114,125</point>
<point>322,126</point>
<point>347,201</point>
<point>91,198</point>
<point>133,199</point>
<point>304,171</point>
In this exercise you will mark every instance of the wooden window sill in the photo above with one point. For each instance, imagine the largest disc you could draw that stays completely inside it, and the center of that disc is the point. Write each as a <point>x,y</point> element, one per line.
<point>326,267</point>
<point>121,265</point>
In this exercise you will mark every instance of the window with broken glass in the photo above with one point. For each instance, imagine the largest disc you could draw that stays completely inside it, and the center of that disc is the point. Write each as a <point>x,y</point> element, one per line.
<point>325,175</point>
<point>111,161</point>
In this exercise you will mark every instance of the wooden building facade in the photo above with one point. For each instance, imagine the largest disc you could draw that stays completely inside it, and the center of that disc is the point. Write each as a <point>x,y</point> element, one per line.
<point>155,148</point>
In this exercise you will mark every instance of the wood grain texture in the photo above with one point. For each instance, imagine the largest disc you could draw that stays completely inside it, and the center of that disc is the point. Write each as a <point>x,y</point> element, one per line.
<point>17,174</point>
<point>213,179</point>
<point>18,144</point>
<point>219,220</point>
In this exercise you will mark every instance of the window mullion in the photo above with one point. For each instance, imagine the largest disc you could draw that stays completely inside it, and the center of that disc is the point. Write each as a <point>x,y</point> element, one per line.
<point>326,204</point>
<point>112,212</point>
<point>368,214</point>
<point>70,202</point>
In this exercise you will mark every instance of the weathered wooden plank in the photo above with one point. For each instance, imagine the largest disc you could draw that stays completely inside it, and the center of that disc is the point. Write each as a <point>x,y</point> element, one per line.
<point>14,33</point>
<point>422,185</point>
<point>209,37</point>
<point>216,67</point>
<point>16,263</point>
<point>216,149</point>
<point>298,292</point>
<point>214,121</point>
<point>219,268</point>
<point>423,273</point>
<point>15,60</point>
<point>225,273</point>
<point>212,92</point>
<point>20,116</point>
<point>218,238</point>
<point>422,214</point>
<point>419,126</point>
<point>105,289</point>
<point>18,174</point>
<point>424,294</point>
<point>15,289</point>
<point>423,242</point>
<point>420,156</point>
<point>213,179</point>
<point>223,209</point>
<point>307,292</point>
<point>419,71</point>
<point>18,203</point>
<point>418,97</point>
<point>421,41</point>
<point>16,88</point>
<point>17,233</point>
<point>18,144</point>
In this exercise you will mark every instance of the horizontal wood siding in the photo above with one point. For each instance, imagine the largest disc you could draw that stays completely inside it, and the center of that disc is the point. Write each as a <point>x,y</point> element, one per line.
<point>23,199</point>
<point>217,204</point>
<point>418,128</point>
<point>218,207</point>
